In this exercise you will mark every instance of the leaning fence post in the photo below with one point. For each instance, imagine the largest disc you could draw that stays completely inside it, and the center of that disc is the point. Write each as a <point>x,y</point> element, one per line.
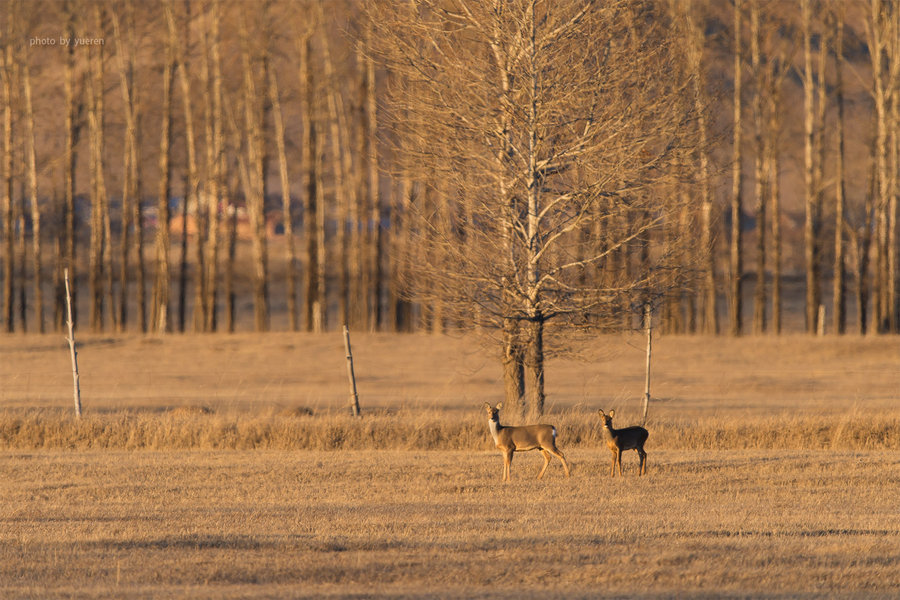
<point>72,351</point>
<point>354,397</point>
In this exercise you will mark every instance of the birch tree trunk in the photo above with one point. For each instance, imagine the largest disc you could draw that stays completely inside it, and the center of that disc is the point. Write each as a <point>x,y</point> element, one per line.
<point>161,284</point>
<point>131,215</point>
<point>100,256</point>
<point>737,264</point>
<point>8,78</point>
<point>370,135</point>
<point>314,283</point>
<point>892,50</point>
<point>192,184</point>
<point>760,71</point>
<point>290,257</point>
<point>709,309</point>
<point>810,224</point>
<point>255,184</point>
<point>876,29</point>
<point>74,109</point>
<point>839,285</point>
<point>339,158</point>
<point>31,164</point>
<point>215,161</point>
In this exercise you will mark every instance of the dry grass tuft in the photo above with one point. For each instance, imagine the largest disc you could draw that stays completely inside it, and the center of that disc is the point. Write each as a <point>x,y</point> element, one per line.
<point>410,429</point>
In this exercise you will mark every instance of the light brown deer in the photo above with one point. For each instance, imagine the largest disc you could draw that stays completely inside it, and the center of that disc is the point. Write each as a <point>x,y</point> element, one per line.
<point>520,439</point>
<point>627,438</point>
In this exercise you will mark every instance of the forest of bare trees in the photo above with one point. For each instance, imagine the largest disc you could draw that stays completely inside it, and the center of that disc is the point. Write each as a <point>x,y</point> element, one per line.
<point>520,167</point>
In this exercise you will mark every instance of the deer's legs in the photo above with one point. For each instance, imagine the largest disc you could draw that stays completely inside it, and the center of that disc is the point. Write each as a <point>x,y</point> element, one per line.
<point>643,456</point>
<point>546,456</point>
<point>558,454</point>
<point>507,459</point>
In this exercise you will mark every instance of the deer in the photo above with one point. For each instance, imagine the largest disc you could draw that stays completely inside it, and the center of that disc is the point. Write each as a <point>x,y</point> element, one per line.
<point>519,439</point>
<point>627,438</point>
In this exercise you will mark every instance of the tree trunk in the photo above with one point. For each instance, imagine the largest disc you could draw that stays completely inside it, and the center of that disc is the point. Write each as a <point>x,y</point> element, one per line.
<point>513,367</point>
<point>894,171</point>
<point>183,261</point>
<point>7,74</point>
<point>811,223</point>
<point>315,303</point>
<point>255,184</point>
<point>839,283</point>
<point>535,366</point>
<point>100,242</point>
<point>231,245</point>
<point>772,160</point>
<point>126,61</point>
<point>31,163</point>
<point>339,154</point>
<point>215,161</point>
<point>190,197</point>
<point>22,254</point>
<point>760,72</point>
<point>161,284</point>
<point>737,266</point>
<point>376,245</point>
<point>709,310</point>
<point>290,255</point>
<point>877,34</point>
<point>8,77</point>
<point>138,220</point>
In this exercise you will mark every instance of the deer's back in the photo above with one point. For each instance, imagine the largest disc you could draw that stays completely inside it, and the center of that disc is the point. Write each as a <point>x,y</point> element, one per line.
<point>529,437</point>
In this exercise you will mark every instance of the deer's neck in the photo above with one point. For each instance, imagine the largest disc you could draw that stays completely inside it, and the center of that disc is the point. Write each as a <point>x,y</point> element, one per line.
<point>609,433</point>
<point>495,428</point>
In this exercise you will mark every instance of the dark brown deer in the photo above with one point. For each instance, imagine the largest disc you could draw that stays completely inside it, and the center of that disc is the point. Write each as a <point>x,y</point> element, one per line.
<point>627,438</point>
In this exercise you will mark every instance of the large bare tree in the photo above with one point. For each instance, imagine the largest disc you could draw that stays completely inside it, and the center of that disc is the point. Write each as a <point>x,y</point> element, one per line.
<point>548,117</point>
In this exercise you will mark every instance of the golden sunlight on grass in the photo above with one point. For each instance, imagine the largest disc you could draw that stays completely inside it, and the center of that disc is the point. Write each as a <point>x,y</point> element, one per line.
<point>441,524</point>
<point>227,467</point>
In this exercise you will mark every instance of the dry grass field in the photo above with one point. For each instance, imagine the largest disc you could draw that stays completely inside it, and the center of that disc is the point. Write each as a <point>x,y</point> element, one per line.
<point>774,471</point>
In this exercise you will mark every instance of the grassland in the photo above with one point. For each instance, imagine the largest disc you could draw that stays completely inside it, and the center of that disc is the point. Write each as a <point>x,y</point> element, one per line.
<point>774,471</point>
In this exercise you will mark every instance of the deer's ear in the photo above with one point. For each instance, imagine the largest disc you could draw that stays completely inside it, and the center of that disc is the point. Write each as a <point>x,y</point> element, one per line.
<point>601,413</point>
<point>499,406</point>
<point>487,406</point>
<point>612,413</point>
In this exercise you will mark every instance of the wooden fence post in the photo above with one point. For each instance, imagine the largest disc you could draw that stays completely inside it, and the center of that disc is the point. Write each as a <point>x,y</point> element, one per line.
<point>72,351</point>
<point>354,397</point>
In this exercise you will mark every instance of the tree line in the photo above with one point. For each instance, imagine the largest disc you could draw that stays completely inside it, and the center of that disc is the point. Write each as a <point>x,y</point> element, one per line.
<point>519,167</point>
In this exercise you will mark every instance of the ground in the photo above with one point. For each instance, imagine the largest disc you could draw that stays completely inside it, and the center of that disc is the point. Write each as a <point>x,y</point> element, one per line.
<point>773,471</point>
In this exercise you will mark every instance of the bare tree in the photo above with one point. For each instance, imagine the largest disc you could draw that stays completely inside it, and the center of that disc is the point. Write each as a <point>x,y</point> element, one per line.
<point>544,152</point>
